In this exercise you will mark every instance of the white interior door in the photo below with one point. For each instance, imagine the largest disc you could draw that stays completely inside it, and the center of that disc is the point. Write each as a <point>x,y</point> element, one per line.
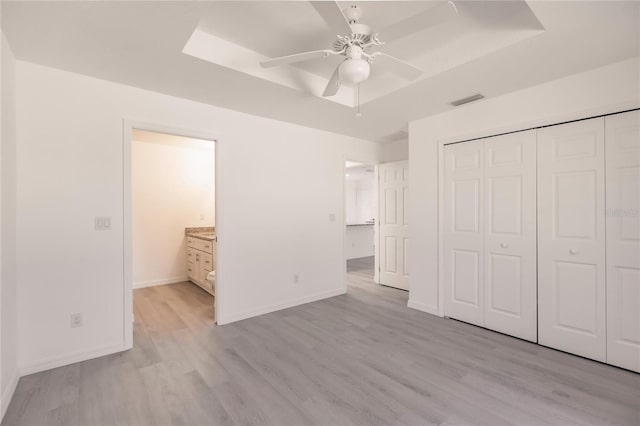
<point>463,235</point>
<point>394,224</point>
<point>623,239</point>
<point>571,238</point>
<point>510,267</point>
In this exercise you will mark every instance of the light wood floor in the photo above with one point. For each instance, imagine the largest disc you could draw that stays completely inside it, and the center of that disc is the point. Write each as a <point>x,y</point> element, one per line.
<point>362,358</point>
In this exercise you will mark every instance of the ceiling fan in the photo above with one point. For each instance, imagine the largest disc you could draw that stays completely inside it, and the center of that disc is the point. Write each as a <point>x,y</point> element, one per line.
<point>358,40</point>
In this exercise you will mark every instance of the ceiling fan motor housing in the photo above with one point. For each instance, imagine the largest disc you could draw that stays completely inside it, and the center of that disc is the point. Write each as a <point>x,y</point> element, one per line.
<point>352,13</point>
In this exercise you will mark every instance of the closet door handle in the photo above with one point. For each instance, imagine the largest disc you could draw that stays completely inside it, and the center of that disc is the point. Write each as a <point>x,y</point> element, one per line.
<point>573,251</point>
<point>504,245</point>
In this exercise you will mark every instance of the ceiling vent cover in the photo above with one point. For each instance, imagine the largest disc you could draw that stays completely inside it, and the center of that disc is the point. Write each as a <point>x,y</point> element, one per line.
<point>466,100</point>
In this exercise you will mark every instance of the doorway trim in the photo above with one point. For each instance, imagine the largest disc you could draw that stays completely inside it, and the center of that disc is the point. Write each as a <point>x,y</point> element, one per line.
<point>128,125</point>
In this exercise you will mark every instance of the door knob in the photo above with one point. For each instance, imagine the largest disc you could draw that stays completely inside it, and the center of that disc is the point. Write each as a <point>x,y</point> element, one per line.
<point>573,251</point>
<point>504,245</point>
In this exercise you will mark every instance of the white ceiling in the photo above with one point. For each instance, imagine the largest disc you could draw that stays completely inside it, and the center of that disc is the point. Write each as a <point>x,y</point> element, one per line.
<point>359,172</point>
<point>490,48</point>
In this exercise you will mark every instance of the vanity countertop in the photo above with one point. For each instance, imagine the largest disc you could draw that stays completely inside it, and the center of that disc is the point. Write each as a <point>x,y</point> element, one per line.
<point>203,233</point>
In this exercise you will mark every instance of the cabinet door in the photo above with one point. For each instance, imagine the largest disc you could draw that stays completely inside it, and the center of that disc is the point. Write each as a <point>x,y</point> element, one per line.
<point>191,270</point>
<point>571,238</point>
<point>197,266</point>
<point>394,224</point>
<point>463,235</point>
<point>623,239</point>
<point>510,267</point>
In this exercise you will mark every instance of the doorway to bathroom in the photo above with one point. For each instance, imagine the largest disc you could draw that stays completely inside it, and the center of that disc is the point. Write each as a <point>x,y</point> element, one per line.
<point>170,231</point>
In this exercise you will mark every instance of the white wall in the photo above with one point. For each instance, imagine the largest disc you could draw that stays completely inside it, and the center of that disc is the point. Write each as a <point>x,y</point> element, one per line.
<point>8,278</point>
<point>612,88</point>
<point>359,241</point>
<point>360,203</point>
<point>395,151</point>
<point>173,188</point>
<point>360,199</point>
<point>279,184</point>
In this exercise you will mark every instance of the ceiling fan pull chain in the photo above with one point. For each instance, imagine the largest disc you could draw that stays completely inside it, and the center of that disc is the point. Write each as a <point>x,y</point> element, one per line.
<point>358,113</point>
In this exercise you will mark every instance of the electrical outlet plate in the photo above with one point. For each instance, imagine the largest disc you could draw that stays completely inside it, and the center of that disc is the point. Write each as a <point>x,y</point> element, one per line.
<point>76,320</point>
<point>296,278</point>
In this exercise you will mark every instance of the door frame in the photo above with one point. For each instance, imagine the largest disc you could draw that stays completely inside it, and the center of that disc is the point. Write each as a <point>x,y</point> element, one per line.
<point>376,230</point>
<point>128,125</point>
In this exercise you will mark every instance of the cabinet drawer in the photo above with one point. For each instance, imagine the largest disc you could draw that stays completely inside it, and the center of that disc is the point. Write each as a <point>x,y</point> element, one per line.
<point>190,242</point>
<point>191,256</point>
<point>206,260</point>
<point>198,244</point>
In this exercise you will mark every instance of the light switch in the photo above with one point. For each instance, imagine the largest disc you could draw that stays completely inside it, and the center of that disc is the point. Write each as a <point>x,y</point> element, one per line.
<point>332,217</point>
<point>103,223</point>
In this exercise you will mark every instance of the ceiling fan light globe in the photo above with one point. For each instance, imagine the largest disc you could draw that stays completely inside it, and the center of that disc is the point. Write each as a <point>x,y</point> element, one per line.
<point>354,71</point>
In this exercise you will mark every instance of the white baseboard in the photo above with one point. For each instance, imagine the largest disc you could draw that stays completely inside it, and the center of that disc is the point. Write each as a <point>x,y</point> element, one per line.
<point>7,393</point>
<point>69,358</point>
<point>152,283</point>
<point>279,306</point>
<point>433,310</point>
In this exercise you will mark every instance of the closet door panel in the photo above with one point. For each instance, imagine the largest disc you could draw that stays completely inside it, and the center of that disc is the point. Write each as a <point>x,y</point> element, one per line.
<point>623,239</point>
<point>464,223</point>
<point>510,235</point>
<point>571,238</point>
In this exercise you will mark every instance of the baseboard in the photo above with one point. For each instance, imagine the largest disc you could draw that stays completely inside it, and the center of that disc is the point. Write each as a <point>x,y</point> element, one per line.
<point>152,283</point>
<point>70,358</point>
<point>419,306</point>
<point>7,393</point>
<point>279,306</point>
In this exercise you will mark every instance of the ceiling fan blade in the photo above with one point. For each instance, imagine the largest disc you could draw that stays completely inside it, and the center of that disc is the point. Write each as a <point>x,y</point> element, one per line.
<point>427,19</point>
<point>397,66</point>
<point>298,57</point>
<point>332,14</point>
<point>333,85</point>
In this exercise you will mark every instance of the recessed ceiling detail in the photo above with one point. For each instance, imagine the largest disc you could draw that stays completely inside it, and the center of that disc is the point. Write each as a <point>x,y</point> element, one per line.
<point>430,37</point>
<point>492,47</point>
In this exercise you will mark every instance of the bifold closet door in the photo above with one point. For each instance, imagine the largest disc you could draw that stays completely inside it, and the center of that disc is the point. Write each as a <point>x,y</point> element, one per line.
<point>623,239</point>
<point>463,236</point>
<point>510,267</point>
<point>571,238</point>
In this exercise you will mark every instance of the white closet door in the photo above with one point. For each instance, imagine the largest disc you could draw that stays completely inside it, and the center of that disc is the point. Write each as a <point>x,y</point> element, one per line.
<point>571,238</point>
<point>464,221</point>
<point>623,239</point>
<point>510,267</point>
<point>394,224</point>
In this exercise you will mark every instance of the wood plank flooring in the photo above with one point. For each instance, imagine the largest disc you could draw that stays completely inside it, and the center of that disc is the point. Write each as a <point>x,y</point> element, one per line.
<point>363,358</point>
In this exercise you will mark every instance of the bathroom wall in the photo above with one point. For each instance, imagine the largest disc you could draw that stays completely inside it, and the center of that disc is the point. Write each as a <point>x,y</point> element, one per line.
<point>173,187</point>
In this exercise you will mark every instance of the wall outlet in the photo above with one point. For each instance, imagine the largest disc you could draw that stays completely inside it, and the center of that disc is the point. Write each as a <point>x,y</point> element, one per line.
<point>201,216</point>
<point>103,223</point>
<point>296,278</point>
<point>332,217</point>
<point>76,320</point>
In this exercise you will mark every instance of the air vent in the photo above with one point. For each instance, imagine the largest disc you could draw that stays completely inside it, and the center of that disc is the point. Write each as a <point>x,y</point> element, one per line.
<point>463,101</point>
